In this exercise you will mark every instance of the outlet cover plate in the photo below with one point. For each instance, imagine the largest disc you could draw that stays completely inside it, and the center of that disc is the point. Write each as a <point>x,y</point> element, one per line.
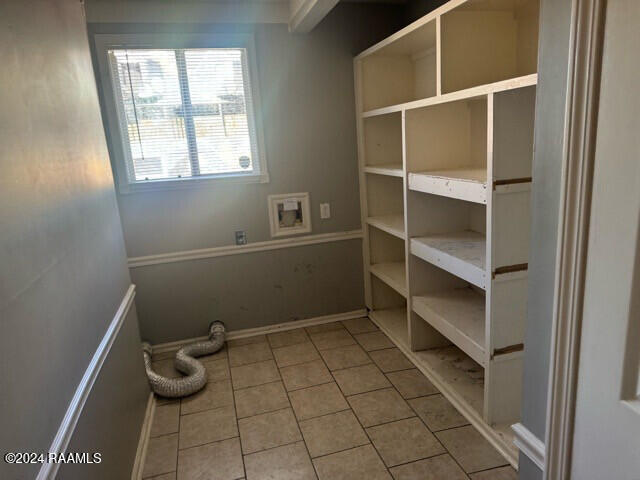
<point>325,210</point>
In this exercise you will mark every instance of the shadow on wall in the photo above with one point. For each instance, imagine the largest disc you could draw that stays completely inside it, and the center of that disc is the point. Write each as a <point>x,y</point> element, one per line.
<point>414,9</point>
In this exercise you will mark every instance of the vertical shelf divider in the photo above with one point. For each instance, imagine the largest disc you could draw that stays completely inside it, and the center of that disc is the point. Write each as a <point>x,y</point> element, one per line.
<point>460,85</point>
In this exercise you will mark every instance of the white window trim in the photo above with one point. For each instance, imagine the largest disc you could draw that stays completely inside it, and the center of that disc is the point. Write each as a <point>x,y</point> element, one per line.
<point>106,42</point>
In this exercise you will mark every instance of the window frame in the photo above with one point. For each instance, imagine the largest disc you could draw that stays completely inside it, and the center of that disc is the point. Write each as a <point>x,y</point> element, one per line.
<point>112,108</point>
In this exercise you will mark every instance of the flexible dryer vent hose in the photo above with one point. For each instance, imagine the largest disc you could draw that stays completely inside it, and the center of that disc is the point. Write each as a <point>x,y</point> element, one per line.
<point>196,375</point>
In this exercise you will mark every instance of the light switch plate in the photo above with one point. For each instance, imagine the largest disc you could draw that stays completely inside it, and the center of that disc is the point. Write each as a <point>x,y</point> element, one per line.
<point>325,210</point>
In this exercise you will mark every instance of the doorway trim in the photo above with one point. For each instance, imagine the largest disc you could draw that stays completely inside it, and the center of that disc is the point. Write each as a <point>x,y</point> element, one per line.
<point>583,89</point>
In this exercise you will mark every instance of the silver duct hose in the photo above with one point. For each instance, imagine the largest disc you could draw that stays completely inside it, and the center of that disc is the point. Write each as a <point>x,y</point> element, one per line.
<point>196,375</point>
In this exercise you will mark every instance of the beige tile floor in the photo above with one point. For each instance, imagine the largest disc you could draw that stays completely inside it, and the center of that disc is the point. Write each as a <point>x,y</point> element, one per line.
<point>329,402</point>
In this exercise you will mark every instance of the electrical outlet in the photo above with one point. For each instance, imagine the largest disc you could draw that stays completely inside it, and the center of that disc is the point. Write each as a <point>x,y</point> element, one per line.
<point>325,210</point>
<point>241,237</point>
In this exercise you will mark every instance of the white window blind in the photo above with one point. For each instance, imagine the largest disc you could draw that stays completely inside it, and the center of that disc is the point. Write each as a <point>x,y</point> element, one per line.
<point>184,113</point>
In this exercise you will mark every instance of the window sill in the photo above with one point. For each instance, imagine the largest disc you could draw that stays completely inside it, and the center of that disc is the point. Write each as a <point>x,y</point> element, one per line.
<point>189,183</point>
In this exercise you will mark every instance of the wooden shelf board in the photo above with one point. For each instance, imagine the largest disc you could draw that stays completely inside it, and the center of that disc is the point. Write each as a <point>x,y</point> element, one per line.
<point>459,315</point>
<point>468,184</point>
<point>395,324</point>
<point>390,169</point>
<point>459,372</point>
<point>469,93</point>
<point>460,253</point>
<point>393,274</point>
<point>392,224</point>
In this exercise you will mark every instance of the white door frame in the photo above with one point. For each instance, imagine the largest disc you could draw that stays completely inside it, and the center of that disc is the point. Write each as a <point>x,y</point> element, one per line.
<point>583,88</point>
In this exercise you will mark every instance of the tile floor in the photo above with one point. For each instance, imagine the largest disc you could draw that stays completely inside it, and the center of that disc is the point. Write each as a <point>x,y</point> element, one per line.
<point>328,402</point>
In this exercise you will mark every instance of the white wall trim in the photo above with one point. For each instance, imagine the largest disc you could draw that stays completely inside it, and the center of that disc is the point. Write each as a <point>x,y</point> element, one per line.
<point>182,256</point>
<point>583,87</point>
<point>530,445</point>
<point>143,442</point>
<point>61,441</point>
<point>278,327</point>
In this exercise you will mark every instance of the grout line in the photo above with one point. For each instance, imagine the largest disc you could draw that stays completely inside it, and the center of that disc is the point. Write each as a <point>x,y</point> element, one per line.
<point>423,422</point>
<point>411,408</point>
<point>295,417</point>
<point>336,347</point>
<point>421,459</point>
<point>355,366</point>
<point>341,391</point>
<point>359,422</point>
<point>208,443</point>
<point>265,413</point>
<point>295,364</point>
<point>251,386</point>
<point>255,386</point>
<point>492,468</point>
<point>235,411</point>
<point>323,415</point>
<point>466,475</point>
<point>241,366</point>
<point>298,364</point>
<point>272,448</point>
<point>401,370</point>
<point>376,329</point>
<point>219,407</point>
<point>341,346</point>
<point>368,352</point>
<point>452,456</point>
<point>430,431</point>
<point>450,428</point>
<point>429,428</point>
<point>343,450</point>
<point>470,424</point>
<point>308,340</point>
<point>371,391</point>
<point>390,421</point>
<point>310,386</point>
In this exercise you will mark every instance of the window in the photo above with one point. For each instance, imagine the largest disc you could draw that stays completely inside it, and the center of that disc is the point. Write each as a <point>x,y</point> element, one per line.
<point>183,114</point>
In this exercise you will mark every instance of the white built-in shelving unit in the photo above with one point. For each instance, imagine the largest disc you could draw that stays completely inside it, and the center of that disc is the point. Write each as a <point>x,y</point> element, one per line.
<point>445,115</point>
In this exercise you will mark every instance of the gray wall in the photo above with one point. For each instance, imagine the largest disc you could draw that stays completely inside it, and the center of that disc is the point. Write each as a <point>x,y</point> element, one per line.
<point>553,52</point>
<point>61,247</point>
<point>246,291</point>
<point>114,411</point>
<point>307,92</point>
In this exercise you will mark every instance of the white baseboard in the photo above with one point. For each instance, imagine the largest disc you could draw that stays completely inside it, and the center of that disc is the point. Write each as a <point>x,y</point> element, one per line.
<point>278,327</point>
<point>61,441</point>
<point>143,442</point>
<point>530,445</point>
